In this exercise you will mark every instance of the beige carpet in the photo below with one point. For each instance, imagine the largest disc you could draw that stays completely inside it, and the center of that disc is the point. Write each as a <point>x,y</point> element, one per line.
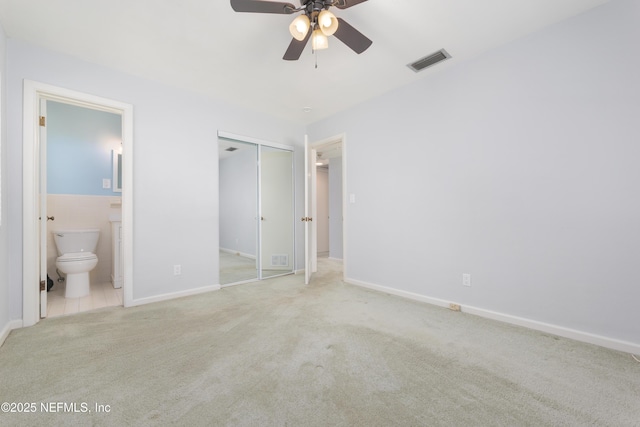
<point>279,353</point>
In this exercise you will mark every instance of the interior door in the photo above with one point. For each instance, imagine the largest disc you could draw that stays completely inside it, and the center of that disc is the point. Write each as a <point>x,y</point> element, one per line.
<point>310,246</point>
<point>43,207</point>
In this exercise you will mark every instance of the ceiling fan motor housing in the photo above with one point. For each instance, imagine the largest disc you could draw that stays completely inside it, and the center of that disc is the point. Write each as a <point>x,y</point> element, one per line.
<point>301,31</point>
<point>316,5</point>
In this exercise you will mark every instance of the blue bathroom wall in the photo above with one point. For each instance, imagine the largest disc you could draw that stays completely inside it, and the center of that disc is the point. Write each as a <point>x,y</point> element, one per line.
<point>79,146</point>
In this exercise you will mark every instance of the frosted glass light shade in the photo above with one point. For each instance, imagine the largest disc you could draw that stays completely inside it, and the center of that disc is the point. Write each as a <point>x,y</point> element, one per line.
<point>318,40</point>
<point>299,27</point>
<point>327,22</point>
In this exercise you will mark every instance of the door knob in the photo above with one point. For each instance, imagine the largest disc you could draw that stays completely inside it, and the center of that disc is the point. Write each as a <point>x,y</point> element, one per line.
<point>51,218</point>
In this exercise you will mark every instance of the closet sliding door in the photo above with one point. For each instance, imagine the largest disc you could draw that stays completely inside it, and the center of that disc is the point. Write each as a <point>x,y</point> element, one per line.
<point>276,197</point>
<point>256,209</point>
<point>238,189</point>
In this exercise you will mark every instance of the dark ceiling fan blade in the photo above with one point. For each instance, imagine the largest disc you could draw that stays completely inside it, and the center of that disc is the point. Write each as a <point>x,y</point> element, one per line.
<point>353,38</point>
<point>257,6</point>
<point>343,4</point>
<point>295,48</point>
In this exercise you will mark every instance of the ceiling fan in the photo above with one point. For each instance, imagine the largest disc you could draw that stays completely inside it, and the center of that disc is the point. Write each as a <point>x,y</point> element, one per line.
<point>316,23</point>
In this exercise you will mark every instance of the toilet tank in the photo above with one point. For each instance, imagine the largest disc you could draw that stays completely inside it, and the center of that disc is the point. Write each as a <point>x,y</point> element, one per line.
<point>83,240</point>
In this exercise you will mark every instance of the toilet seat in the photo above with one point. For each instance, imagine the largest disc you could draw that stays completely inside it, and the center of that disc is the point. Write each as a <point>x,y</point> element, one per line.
<point>77,256</point>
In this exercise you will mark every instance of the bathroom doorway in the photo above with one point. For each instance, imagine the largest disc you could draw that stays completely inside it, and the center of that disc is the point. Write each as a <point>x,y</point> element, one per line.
<point>83,192</point>
<point>36,216</point>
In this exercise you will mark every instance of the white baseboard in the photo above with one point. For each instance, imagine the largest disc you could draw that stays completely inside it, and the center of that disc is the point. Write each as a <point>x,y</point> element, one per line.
<point>233,252</point>
<point>164,297</point>
<point>13,324</point>
<point>602,341</point>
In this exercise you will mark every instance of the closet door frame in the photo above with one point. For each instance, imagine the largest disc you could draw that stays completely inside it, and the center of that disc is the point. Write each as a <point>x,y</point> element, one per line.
<point>260,143</point>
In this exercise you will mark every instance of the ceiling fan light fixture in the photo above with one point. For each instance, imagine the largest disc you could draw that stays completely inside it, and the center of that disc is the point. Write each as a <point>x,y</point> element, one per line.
<point>327,22</point>
<point>300,27</point>
<point>318,40</point>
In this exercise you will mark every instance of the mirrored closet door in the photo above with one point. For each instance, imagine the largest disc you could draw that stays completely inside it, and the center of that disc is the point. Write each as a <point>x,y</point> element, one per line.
<point>276,191</point>
<point>256,209</point>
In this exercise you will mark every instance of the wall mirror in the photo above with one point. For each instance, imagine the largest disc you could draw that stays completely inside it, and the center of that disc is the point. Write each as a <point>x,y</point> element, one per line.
<point>256,209</point>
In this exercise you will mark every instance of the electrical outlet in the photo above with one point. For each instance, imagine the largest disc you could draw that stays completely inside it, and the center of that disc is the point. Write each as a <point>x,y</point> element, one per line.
<point>177,270</point>
<point>454,307</point>
<point>466,279</point>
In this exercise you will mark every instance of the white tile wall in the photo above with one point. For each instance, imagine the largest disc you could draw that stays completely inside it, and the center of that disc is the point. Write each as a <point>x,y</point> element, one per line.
<point>73,211</point>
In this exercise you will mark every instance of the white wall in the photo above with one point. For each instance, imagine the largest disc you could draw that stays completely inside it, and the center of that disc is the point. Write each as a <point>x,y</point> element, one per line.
<point>335,208</point>
<point>175,167</point>
<point>5,316</point>
<point>519,167</point>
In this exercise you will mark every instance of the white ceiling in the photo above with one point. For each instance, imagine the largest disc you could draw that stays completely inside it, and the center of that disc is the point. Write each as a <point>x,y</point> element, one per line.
<point>204,46</point>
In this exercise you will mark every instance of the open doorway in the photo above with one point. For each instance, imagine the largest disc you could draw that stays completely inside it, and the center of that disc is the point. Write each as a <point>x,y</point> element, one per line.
<point>328,194</point>
<point>83,201</point>
<point>329,200</point>
<point>35,214</point>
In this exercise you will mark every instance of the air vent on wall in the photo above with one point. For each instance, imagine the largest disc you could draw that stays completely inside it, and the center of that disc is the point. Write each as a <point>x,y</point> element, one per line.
<point>279,260</point>
<point>231,149</point>
<point>429,61</point>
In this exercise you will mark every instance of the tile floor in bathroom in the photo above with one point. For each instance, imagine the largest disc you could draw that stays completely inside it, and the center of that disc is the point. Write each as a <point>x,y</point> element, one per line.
<point>102,295</point>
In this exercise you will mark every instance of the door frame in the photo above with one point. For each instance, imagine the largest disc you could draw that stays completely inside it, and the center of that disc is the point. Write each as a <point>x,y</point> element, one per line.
<point>315,145</point>
<point>33,92</point>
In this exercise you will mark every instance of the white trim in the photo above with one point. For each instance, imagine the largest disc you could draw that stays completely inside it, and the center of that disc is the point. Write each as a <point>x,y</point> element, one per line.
<point>612,343</point>
<point>398,292</point>
<point>32,93</point>
<point>4,334</point>
<point>243,138</point>
<point>232,252</point>
<point>173,295</point>
<point>243,282</point>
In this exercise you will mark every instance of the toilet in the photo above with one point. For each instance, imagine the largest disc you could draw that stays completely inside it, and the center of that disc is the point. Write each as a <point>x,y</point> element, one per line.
<point>76,250</point>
